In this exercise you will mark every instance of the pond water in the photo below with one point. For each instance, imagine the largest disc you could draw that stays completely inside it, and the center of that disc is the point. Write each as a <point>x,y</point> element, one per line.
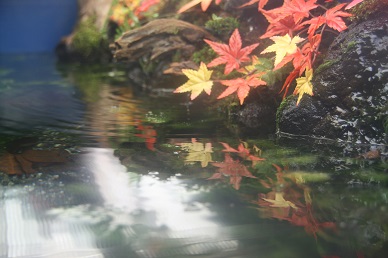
<point>92,165</point>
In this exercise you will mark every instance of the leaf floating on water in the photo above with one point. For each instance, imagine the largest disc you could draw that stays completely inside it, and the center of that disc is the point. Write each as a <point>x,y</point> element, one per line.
<point>9,165</point>
<point>17,164</point>
<point>45,156</point>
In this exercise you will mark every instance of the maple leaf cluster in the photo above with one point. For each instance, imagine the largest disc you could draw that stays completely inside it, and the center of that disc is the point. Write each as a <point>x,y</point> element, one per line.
<point>233,56</point>
<point>286,25</point>
<point>131,10</point>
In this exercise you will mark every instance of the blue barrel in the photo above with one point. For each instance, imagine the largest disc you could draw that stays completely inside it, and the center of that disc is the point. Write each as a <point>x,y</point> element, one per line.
<point>35,25</point>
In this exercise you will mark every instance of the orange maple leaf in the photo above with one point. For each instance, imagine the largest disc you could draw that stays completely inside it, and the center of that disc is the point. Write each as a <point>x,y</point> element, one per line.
<point>145,6</point>
<point>282,27</point>
<point>232,55</point>
<point>242,86</point>
<point>299,9</point>
<point>334,20</point>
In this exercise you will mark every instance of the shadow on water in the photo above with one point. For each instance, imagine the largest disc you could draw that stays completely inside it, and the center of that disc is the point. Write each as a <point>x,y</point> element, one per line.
<point>92,165</point>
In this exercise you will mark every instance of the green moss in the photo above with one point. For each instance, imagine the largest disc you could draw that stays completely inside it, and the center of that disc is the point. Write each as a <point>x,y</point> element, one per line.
<point>280,109</point>
<point>324,66</point>
<point>88,42</point>
<point>351,45</point>
<point>206,54</point>
<point>222,26</point>
<point>365,9</point>
<point>386,125</point>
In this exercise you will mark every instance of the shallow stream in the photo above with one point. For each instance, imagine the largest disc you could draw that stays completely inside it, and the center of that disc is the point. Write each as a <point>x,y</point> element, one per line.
<point>92,165</point>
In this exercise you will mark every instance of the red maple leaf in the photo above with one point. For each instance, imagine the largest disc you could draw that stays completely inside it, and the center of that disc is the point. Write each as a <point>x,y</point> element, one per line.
<point>282,27</point>
<point>232,55</point>
<point>315,23</point>
<point>299,9</point>
<point>290,78</point>
<point>145,5</point>
<point>242,86</point>
<point>334,20</point>
<point>232,168</point>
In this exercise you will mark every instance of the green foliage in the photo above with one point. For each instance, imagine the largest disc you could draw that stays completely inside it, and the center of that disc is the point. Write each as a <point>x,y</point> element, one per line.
<point>220,26</point>
<point>365,9</point>
<point>280,109</point>
<point>324,66</point>
<point>206,54</point>
<point>271,76</point>
<point>88,41</point>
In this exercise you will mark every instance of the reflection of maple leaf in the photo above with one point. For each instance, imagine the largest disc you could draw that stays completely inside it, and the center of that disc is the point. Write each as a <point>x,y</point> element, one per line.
<point>242,86</point>
<point>303,85</point>
<point>198,81</point>
<point>232,168</point>
<point>280,202</point>
<point>149,134</point>
<point>204,5</point>
<point>232,55</point>
<point>242,152</point>
<point>282,46</point>
<point>198,152</point>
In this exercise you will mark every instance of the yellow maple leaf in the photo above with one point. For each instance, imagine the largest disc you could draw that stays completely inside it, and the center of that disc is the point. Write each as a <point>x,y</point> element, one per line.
<point>304,85</point>
<point>198,81</point>
<point>283,45</point>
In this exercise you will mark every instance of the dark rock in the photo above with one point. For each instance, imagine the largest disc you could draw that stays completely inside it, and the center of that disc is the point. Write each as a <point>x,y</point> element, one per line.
<point>350,95</point>
<point>256,118</point>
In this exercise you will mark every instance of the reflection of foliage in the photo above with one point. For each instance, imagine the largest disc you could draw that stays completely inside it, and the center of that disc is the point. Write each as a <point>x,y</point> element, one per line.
<point>290,201</point>
<point>198,152</point>
<point>232,169</point>
<point>243,152</point>
<point>88,41</point>
<point>148,134</point>
<point>368,7</point>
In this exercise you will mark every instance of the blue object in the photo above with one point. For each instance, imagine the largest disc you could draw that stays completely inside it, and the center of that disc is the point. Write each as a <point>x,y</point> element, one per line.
<point>35,25</point>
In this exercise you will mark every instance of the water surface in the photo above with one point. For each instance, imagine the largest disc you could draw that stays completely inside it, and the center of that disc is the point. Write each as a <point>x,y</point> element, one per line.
<point>93,165</point>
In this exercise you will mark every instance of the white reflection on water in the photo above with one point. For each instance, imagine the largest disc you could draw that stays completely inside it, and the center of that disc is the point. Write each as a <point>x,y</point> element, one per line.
<point>33,227</point>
